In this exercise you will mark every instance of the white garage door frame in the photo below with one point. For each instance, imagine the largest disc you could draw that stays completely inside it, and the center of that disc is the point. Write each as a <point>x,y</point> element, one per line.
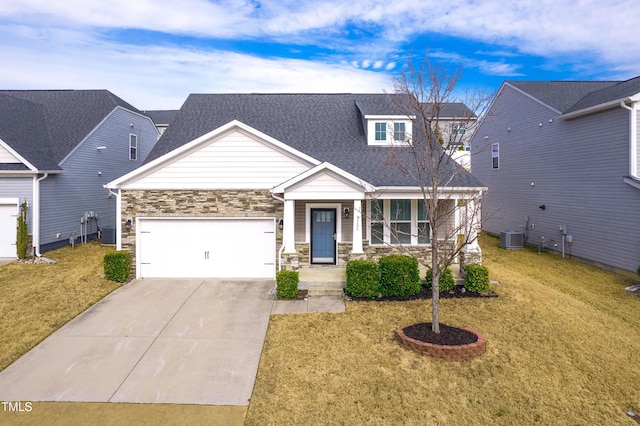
<point>9,210</point>
<point>208,247</point>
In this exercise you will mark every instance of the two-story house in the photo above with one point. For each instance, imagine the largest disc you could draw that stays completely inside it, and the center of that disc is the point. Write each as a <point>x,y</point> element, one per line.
<point>57,150</point>
<point>561,163</point>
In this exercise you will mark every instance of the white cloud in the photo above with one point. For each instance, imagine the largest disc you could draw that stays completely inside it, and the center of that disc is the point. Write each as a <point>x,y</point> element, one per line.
<point>542,27</point>
<point>61,43</point>
<point>162,77</point>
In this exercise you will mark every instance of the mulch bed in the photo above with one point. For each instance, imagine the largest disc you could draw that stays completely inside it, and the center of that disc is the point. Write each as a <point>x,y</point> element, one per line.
<point>448,335</point>
<point>458,292</point>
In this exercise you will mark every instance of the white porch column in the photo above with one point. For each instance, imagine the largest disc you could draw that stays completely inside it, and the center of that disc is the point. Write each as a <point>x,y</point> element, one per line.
<point>472,218</point>
<point>289,227</point>
<point>357,227</point>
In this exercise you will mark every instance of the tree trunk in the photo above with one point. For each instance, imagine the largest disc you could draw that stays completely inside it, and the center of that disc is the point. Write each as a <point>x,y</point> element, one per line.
<point>435,288</point>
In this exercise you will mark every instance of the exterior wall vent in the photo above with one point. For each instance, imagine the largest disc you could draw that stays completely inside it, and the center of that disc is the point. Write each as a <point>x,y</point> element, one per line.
<point>512,240</point>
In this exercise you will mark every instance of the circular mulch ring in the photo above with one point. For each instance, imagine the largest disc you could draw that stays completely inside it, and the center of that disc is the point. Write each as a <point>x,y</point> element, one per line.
<point>452,343</point>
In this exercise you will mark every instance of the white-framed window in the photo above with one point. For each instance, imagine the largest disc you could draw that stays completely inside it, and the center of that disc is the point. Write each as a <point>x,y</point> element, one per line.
<point>133,146</point>
<point>377,222</point>
<point>424,228</point>
<point>399,132</point>
<point>381,131</point>
<point>495,156</point>
<point>399,221</point>
<point>390,131</point>
<point>459,128</point>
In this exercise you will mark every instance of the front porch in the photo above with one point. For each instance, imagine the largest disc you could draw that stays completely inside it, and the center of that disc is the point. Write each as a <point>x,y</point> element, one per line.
<point>322,280</point>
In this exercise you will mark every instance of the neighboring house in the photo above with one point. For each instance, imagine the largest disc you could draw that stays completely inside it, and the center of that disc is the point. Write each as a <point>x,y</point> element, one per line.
<point>240,183</point>
<point>456,123</point>
<point>562,163</point>
<point>162,118</point>
<point>57,150</point>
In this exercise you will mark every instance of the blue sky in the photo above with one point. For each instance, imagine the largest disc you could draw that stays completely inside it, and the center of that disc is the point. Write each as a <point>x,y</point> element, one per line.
<point>153,53</point>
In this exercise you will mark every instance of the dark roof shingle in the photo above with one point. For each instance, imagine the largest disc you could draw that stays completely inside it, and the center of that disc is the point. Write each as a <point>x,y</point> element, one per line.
<point>69,116</point>
<point>560,95</point>
<point>327,127</point>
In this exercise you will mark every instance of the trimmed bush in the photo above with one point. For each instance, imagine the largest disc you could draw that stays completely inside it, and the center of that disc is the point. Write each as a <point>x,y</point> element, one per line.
<point>399,275</point>
<point>363,279</point>
<point>117,266</point>
<point>476,278</point>
<point>22,236</point>
<point>445,283</point>
<point>287,284</point>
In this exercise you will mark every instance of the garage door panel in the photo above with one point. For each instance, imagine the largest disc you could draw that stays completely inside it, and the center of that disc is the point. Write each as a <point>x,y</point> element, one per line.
<point>222,248</point>
<point>8,229</point>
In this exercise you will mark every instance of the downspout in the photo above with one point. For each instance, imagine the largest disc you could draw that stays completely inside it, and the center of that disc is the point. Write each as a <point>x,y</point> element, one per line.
<point>633,141</point>
<point>36,215</point>
<point>283,231</point>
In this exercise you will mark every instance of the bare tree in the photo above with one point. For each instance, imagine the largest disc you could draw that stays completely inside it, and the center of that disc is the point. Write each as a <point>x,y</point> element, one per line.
<point>452,209</point>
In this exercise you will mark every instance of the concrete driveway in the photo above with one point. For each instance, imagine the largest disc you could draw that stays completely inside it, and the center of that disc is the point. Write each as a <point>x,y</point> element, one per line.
<point>152,341</point>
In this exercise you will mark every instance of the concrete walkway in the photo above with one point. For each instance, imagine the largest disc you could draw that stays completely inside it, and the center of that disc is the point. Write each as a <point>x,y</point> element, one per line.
<point>158,341</point>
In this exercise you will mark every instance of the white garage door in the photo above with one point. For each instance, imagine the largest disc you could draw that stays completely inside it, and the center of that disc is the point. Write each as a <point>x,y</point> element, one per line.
<point>8,227</point>
<point>216,248</point>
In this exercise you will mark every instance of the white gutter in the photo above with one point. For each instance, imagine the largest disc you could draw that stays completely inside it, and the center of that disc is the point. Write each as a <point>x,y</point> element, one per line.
<point>283,231</point>
<point>36,213</point>
<point>595,108</point>
<point>633,139</point>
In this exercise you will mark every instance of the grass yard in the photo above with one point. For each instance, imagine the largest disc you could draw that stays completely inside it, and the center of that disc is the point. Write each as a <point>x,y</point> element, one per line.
<point>38,299</point>
<point>563,347</point>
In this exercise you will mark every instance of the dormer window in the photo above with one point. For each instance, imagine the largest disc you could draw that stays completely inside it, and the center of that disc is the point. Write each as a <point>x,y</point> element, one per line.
<point>386,131</point>
<point>399,133</point>
<point>381,131</point>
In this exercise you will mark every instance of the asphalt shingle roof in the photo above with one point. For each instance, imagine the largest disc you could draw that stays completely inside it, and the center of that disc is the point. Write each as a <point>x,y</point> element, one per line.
<point>560,95</point>
<point>610,93</point>
<point>67,116</point>
<point>327,127</point>
<point>23,127</point>
<point>162,116</point>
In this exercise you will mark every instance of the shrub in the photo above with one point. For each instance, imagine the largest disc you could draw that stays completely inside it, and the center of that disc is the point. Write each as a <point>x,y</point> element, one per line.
<point>117,266</point>
<point>287,284</point>
<point>476,278</point>
<point>363,279</point>
<point>638,271</point>
<point>445,283</point>
<point>399,275</point>
<point>22,237</point>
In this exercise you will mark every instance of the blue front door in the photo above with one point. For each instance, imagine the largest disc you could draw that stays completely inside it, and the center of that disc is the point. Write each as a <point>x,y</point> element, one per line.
<point>323,236</point>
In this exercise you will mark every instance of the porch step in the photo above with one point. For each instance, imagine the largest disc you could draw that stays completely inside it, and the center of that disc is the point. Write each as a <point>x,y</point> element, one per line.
<point>324,288</point>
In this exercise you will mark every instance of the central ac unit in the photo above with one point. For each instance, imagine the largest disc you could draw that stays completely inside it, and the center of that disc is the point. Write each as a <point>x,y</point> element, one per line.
<point>512,240</point>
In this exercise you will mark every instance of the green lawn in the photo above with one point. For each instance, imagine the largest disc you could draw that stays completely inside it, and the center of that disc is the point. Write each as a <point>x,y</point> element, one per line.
<point>38,299</point>
<point>563,347</point>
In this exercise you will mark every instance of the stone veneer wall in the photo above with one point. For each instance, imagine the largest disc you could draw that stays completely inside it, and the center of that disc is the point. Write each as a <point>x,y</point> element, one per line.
<point>195,203</point>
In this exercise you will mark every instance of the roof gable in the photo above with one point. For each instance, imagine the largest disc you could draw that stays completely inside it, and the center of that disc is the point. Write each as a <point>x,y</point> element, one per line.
<point>325,179</point>
<point>234,156</point>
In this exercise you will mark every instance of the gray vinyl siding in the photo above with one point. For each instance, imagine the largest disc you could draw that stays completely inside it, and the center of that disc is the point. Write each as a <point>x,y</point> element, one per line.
<point>577,169</point>
<point>79,189</point>
<point>19,187</point>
